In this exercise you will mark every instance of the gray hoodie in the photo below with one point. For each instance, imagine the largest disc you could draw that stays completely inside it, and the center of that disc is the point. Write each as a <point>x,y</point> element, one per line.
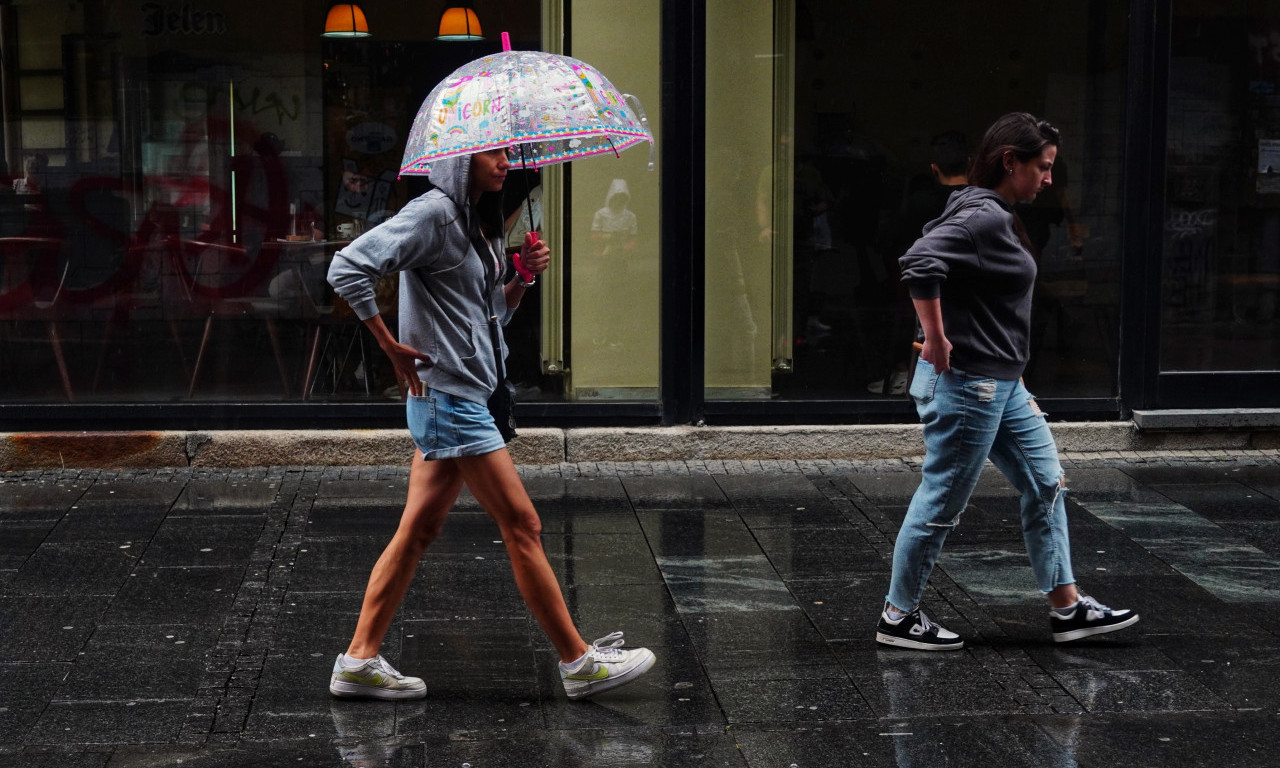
<point>442,305</point>
<point>972,258</point>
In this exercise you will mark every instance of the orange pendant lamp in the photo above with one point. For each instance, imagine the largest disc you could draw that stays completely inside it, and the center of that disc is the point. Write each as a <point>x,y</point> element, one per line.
<point>459,23</point>
<point>346,20</point>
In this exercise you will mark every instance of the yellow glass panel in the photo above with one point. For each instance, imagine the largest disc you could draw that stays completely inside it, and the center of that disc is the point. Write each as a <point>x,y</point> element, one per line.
<point>45,133</point>
<point>614,210</point>
<point>40,30</point>
<point>739,198</point>
<point>41,92</point>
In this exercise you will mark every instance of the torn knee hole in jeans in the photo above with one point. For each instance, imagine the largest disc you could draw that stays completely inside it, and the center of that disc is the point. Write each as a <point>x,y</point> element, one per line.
<point>952,523</point>
<point>986,390</point>
<point>1059,489</point>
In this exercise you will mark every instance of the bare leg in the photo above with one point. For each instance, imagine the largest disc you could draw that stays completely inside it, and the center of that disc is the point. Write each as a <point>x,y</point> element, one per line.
<point>496,485</point>
<point>433,488</point>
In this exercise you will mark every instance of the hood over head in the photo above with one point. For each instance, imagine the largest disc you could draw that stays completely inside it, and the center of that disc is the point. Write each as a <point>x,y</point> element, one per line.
<point>452,175</point>
<point>617,187</point>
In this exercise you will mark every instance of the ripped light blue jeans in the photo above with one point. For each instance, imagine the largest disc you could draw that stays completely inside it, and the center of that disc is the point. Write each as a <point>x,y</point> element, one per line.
<point>968,419</point>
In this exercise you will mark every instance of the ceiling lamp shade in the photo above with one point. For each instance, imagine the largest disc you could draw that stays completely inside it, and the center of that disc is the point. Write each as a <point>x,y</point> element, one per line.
<point>346,20</point>
<point>459,24</point>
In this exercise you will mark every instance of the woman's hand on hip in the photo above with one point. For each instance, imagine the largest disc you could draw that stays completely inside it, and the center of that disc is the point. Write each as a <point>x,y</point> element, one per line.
<point>937,352</point>
<point>404,359</point>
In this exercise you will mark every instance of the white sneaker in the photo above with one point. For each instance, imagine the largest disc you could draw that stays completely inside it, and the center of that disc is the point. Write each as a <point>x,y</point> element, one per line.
<point>606,665</point>
<point>897,384</point>
<point>373,679</point>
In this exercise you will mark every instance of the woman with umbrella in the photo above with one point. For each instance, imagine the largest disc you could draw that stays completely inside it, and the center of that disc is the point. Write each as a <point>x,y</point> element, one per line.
<point>455,292</point>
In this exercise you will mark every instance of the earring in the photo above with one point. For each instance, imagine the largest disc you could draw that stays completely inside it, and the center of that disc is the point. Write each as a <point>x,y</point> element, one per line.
<point>1010,171</point>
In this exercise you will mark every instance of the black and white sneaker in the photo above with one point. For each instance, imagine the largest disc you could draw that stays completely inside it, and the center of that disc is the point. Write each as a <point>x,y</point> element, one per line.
<point>1089,618</point>
<point>916,631</point>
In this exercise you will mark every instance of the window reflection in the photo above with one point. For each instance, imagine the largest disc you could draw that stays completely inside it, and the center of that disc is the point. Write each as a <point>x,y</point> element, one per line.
<point>1221,262</point>
<point>172,198</point>
<point>869,99</point>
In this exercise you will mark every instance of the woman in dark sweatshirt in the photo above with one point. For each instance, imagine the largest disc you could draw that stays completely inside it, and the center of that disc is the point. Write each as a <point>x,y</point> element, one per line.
<point>970,277</point>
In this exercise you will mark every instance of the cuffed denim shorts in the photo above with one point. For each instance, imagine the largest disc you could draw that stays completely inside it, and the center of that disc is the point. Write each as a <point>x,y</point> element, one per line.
<point>445,426</point>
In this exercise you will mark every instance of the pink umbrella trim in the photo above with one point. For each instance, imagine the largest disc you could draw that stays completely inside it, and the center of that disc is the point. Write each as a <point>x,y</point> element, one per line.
<point>422,163</point>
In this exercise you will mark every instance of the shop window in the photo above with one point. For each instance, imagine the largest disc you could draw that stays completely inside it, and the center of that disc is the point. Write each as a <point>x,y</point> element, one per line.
<point>177,184</point>
<point>822,122</point>
<point>612,210</point>
<point>1221,258</point>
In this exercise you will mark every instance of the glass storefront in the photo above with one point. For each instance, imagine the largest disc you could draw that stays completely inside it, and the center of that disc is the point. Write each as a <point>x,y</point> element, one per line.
<point>813,206</point>
<point>614,229</point>
<point>1221,267</point>
<point>177,176</point>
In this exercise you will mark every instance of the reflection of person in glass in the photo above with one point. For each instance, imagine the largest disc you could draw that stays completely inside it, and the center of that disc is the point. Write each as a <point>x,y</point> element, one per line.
<point>971,277</point>
<point>32,180</point>
<point>1040,217</point>
<point>455,291</point>
<point>949,156</point>
<point>614,227</point>
<point>364,197</point>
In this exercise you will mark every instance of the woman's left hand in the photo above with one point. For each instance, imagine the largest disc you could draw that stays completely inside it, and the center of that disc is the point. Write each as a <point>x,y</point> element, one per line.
<point>535,256</point>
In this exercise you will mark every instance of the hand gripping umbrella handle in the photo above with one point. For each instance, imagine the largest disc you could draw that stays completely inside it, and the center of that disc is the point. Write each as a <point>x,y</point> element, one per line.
<point>525,275</point>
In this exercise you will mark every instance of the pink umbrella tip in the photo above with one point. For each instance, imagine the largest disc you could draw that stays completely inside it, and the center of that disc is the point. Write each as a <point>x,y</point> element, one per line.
<point>506,41</point>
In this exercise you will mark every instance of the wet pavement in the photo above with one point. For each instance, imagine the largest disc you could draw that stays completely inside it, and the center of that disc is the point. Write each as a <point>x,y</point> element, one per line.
<point>190,617</point>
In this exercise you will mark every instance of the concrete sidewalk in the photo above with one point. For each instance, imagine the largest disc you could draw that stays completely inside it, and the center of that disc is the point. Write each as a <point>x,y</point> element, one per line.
<point>547,446</point>
<point>189,616</point>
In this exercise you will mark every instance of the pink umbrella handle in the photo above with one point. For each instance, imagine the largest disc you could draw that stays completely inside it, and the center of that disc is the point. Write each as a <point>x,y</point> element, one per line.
<point>525,274</point>
<point>506,41</point>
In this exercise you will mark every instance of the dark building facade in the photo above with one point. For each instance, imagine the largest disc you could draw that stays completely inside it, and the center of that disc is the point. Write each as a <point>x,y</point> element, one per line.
<point>179,172</point>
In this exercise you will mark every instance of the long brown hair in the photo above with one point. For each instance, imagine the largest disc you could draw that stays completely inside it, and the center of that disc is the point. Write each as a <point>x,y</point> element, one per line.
<point>1023,134</point>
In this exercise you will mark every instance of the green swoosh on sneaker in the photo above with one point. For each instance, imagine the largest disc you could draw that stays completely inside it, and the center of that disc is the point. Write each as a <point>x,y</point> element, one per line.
<point>374,679</point>
<point>601,673</point>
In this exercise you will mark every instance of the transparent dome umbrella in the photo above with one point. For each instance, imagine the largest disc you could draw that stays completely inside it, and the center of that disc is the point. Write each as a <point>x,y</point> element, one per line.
<point>549,108</point>
<point>545,107</point>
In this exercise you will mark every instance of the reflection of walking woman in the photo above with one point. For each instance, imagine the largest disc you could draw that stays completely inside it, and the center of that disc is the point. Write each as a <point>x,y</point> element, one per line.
<point>971,278</point>
<point>448,245</point>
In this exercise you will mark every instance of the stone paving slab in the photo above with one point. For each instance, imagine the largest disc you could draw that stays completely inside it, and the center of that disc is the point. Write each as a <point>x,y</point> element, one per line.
<point>189,616</point>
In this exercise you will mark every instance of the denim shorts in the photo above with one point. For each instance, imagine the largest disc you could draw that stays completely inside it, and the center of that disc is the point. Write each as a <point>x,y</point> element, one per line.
<point>445,426</point>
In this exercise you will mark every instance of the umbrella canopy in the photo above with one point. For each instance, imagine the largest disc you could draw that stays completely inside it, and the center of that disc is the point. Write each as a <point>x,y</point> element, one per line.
<point>554,108</point>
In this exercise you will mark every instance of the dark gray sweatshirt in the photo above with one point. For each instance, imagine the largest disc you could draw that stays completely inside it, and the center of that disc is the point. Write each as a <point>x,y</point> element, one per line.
<point>972,259</point>
<point>442,283</point>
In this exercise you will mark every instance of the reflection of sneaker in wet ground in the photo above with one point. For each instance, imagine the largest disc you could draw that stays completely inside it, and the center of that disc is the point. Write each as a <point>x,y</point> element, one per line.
<point>373,679</point>
<point>1089,618</point>
<point>897,384</point>
<point>916,631</point>
<point>606,665</point>
<point>365,735</point>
